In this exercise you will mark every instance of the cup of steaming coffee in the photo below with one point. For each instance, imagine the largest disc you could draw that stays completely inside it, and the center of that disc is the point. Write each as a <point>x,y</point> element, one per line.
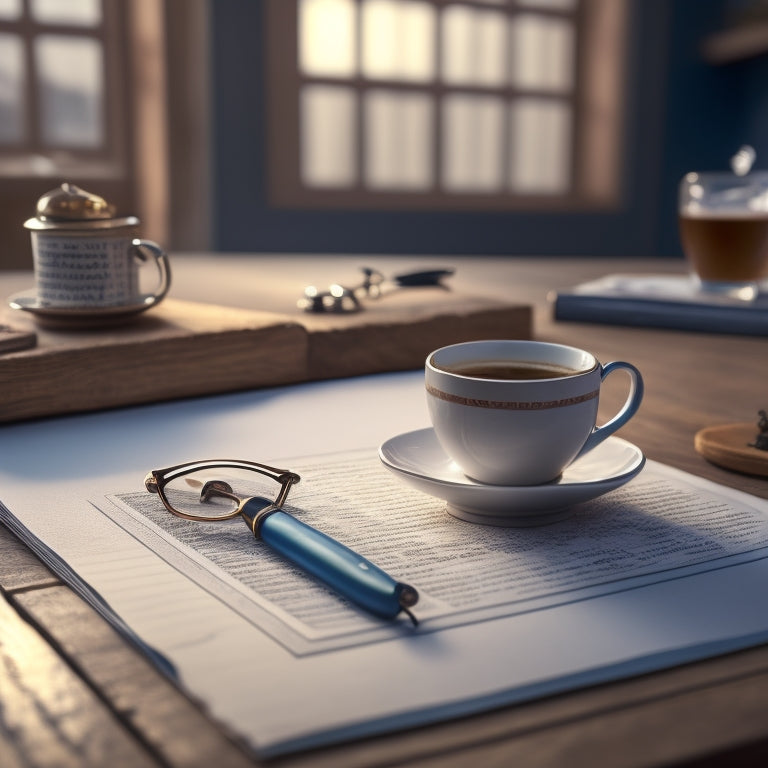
<point>519,412</point>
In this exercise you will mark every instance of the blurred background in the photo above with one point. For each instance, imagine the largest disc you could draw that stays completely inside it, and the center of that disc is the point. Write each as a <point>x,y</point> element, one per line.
<point>488,127</point>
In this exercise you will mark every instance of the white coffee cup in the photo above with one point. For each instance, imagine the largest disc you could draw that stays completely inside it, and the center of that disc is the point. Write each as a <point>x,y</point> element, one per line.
<point>97,268</point>
<point>519,412</point>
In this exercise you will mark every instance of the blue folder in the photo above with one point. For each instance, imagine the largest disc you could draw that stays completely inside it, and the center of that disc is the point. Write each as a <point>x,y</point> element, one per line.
<point>660,301</point>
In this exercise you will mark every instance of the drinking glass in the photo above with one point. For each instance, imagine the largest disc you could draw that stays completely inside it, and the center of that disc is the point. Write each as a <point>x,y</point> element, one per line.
<point>723,222</point>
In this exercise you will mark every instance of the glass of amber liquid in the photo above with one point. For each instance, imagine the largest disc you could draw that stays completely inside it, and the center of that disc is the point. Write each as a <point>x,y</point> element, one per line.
<point>723,222</point>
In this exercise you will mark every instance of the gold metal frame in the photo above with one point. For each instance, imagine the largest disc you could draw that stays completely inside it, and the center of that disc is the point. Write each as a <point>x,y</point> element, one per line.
<point>157,479</point>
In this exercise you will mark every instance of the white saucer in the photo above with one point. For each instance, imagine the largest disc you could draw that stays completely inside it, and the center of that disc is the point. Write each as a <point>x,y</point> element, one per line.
<point>79,317</point>
<point>418,459</point>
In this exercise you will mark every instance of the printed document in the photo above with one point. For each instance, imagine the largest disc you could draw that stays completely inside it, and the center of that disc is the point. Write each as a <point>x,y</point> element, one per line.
<point>658,528</point>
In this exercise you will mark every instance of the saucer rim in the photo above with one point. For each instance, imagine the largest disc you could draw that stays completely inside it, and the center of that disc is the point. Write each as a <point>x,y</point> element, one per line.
<point>471,483</point>
<point>27,301</point>
<point>515,505</point>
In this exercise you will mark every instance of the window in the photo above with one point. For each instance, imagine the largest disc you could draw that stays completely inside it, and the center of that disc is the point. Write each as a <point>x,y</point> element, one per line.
<point>83,99</point>
<point>59,89</point>
<point>443,103</point>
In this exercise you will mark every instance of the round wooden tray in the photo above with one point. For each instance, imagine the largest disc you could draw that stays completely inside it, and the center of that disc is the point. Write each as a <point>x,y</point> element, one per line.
<point>729,446</point>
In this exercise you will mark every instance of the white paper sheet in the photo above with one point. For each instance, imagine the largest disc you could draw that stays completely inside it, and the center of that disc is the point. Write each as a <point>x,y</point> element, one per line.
<point>659,527</point>
<point>287,683</point>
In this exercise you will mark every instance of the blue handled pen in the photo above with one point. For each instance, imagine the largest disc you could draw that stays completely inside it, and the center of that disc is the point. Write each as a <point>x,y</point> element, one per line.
<point>348,573</point>
<point>339,567</point>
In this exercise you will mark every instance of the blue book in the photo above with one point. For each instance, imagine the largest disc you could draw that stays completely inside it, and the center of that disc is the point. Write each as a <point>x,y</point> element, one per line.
<point>660,301</point>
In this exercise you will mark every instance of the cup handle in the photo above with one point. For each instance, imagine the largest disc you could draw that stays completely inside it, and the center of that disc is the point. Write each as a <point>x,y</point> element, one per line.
<point>629,409</point>
<point>140,248</point>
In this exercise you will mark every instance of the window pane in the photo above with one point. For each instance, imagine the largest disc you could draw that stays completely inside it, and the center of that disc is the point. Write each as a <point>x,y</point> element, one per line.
<point>10,9</point>
<point>71,91</point>
<point>542,53</point>
<point>474,46</point>
<point>327,37</point>
<point>564,5</point>
<point>81,13</point>
<point>398,40</point>
<point>472,143</point>
<point>540,146</point>
<point>398,136</point>
<point>328,136</point>
<point>11,89</point>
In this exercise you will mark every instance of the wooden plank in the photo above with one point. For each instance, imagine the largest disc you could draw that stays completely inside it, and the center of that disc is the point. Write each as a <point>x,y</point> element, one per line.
<point>399,332</point>
<point>181,349</point>
<point>49,716</point>
<point>185,349</point>
<point>12,339</point>
<point>740,42</point>
<point>173,726</point>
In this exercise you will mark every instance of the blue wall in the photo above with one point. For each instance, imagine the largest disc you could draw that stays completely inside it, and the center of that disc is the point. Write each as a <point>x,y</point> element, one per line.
<point>710,110</point>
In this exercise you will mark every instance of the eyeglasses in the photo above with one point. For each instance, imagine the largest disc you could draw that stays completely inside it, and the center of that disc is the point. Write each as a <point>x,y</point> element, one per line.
<point>212,491</point>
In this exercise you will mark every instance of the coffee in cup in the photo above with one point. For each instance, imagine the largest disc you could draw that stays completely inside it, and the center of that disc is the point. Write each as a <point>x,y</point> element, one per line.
<point>519,412</point>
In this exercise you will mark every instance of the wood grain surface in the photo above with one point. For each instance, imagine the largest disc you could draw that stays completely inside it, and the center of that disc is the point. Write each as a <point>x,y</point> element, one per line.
<point>179,349</point>
<point>397,333</point>
<point>186,349</point>
<point>69,686</point>
<point>734,446</point>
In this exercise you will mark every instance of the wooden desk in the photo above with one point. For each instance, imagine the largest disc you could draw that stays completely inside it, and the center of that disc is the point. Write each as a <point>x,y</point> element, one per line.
<point>74,693</point>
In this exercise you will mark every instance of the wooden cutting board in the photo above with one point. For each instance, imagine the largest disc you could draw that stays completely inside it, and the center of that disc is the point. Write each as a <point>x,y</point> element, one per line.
<point>184,349</point>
